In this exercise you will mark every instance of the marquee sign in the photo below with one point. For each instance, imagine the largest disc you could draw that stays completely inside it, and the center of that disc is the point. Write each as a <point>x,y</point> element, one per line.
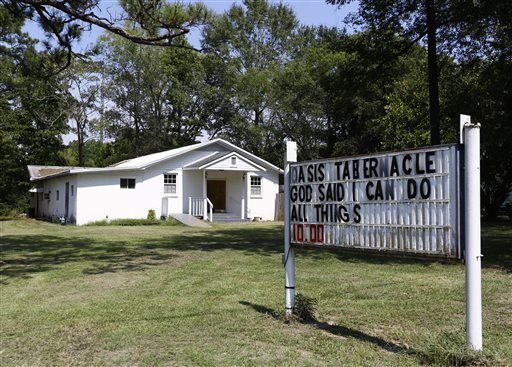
<point>404,201</point>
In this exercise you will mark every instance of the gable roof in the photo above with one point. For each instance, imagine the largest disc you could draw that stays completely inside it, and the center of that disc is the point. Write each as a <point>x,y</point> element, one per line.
<point>141,163</point>
<point>219,157</point>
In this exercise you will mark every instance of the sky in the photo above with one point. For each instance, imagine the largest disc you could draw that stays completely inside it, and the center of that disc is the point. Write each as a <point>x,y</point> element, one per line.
<point>309,12</point>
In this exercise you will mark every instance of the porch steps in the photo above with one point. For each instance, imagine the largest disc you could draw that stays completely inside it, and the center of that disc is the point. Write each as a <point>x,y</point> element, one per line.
<point>189,220</point>
<point>227,217</point>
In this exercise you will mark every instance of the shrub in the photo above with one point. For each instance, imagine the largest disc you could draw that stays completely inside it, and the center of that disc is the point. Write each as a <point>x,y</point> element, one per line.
<point>151,214</point>
<point>305,307</point>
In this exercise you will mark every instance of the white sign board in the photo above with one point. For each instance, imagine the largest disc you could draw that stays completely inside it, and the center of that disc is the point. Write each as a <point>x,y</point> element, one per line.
<point>403,202</point>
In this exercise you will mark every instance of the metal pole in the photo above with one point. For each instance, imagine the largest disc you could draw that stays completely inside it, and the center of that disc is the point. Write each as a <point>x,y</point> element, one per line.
<point>472,234</point>
<point>288,258</point>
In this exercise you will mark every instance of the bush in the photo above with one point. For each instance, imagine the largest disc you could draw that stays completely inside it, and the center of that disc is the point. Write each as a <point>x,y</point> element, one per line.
<point>151,214</point>
<point>305,308</point>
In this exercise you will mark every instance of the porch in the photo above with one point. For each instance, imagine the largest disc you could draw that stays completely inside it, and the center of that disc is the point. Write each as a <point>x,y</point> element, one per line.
<point>223,196</point>
<point>218,188</point>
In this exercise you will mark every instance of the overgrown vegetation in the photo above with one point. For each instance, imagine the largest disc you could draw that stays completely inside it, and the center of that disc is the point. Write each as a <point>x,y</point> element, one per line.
<point>305,307</point>
<point>213,297</point>
<point>450,349</point>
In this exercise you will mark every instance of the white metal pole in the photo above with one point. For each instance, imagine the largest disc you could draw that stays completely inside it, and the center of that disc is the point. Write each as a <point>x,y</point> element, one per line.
<point>288,258</point>
<point>205,196</point>
<point>472,234</point>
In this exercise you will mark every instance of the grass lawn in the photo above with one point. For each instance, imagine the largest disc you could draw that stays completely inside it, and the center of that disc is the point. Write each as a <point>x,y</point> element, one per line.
<point>177,296</point>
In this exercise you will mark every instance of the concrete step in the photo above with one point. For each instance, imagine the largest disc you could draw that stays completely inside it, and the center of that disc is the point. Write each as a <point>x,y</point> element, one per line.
<point>227,217</point>
<point>189,220</point>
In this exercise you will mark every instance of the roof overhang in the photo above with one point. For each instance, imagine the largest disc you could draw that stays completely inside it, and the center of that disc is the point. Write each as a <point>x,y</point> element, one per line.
<point>209,163</point>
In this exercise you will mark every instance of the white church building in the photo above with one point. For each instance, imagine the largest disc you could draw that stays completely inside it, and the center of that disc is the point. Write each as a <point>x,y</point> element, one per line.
<point>201,179</point>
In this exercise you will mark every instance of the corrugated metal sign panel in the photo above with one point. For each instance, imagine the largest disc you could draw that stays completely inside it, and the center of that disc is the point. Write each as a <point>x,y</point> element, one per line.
<point>399,202</point>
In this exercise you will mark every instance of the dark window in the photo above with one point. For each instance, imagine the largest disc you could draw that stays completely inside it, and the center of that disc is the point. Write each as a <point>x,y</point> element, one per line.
<point>255,185</point>
<point>58,196</point>
<point>170,180</point>
<point>127,183</point>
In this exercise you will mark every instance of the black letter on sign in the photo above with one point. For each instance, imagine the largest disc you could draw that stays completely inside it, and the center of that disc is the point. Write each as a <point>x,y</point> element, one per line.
<point>425,188</point>
<point>357,217</point>
<point>411,189</point>
<point>369,195</point>
<point>394,167</point>
<point>338,170</point>
<point>293,194</point>
<point>407,170</point>
<point>429,162</point>
<point>321,174</point>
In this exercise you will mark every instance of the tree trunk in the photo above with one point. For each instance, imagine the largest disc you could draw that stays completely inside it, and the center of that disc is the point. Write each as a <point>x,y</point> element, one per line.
<point>435,136</point>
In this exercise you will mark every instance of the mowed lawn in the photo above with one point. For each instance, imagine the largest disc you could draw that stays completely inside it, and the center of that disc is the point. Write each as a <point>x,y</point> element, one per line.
<point>178,296</point>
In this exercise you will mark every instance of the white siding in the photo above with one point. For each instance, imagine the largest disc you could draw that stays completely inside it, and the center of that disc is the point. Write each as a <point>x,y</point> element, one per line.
<point>226,164</point>
<point>98,195</point>
<point>52,208</point>
<point>192,187</point>
<point>263,206</point>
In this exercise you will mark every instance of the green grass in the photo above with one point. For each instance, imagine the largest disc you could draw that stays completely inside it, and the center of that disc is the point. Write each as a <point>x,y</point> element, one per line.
<point>135,222</point>
<point>179,296</point>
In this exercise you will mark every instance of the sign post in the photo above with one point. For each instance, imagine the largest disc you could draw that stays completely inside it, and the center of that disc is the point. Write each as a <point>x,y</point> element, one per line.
<point>471,138</point>
<point>288,257</point>
<point>406,202</point>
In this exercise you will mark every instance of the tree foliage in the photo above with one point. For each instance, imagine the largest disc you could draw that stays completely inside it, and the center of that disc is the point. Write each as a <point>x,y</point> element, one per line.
<point>156,22</point>
<point>31,107</point>
<point>246,48</point>
<point>154,105</point>
<point>473,47</point>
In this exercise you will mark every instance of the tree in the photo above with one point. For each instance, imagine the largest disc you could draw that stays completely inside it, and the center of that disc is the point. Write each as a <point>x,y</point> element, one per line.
<point>246,48</point>
<point>405,122</point>
<point>348,70</point>
<point>460,29</point>
<point>157,22</point>
<point>86,87</point>
<point>154,105</point>
<point>31,107</point>
<point>486,95</point>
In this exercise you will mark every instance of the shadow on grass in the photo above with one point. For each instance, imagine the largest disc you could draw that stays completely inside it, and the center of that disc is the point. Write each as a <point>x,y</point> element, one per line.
<point>23,255</point>
<point>337,330</point>
<point>497,246</point>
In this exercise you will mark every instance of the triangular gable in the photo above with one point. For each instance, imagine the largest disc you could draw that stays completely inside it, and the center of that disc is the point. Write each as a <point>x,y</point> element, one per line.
<point>152,159</point>
<point>230,161</point>
<point>141,163</point>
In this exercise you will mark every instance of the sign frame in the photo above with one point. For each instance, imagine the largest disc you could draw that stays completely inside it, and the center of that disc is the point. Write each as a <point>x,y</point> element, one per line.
<point>389,234</point>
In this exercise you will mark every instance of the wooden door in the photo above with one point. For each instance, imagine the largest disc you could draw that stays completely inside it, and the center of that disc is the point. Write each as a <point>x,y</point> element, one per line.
<point>216,192</point>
